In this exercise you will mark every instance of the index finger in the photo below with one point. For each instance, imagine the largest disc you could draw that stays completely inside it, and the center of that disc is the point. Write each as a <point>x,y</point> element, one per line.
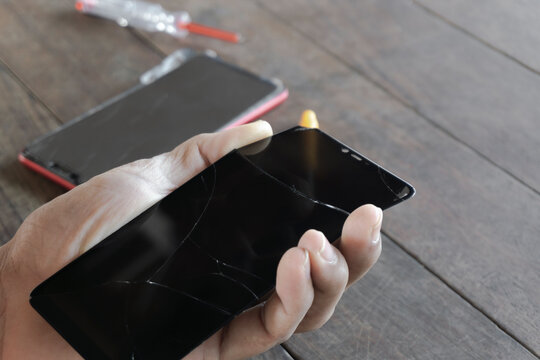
<point>360,241</point>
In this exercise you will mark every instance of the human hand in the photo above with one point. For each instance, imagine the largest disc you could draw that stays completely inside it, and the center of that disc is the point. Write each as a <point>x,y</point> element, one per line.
<point>310,280</point>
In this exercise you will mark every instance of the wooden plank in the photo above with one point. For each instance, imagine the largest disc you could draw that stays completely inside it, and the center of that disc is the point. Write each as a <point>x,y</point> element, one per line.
<point>275,353</point>
<point>22,119</point>
<point>476,94</point>
<point>470,222</point>
<point>306,81</point>
<point>512,27</point>
<point>401,311</point>
<point>72,62</point>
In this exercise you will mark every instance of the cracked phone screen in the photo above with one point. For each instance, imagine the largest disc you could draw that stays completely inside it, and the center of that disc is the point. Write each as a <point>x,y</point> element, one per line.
<point>181,270</point>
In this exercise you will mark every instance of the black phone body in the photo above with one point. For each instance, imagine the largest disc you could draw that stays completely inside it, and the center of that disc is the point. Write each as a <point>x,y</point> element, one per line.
<point>180,271</point>
<point>204,94</point>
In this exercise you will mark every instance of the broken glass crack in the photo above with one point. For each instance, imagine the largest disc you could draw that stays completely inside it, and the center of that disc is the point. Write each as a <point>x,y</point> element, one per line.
<point>173,276</point>
<point>293,188</point>
<point>204,183</point>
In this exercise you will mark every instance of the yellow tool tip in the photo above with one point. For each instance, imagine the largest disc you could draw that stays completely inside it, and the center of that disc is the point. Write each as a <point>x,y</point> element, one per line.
<point>309,119</point>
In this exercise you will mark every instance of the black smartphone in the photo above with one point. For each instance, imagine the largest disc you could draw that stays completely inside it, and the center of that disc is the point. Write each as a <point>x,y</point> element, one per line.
<point>204,94</point>
<point>180,271</point>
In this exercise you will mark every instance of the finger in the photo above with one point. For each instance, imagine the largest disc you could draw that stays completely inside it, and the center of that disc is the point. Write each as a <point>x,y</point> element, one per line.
<point>262,327</point>
<point>190,158</point>
<point>329,274</point>
<point>95,209</point>
<point>360,241</point>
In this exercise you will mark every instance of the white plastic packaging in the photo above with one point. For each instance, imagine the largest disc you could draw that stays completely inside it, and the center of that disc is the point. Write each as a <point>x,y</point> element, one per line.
<point>138,14</point>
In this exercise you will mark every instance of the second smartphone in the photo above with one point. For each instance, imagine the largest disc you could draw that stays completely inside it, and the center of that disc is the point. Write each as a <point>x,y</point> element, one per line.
<point>204,94</point>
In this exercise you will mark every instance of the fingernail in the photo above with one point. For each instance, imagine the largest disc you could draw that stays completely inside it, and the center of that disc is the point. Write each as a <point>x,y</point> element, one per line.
<point>376,229</point>
<point>327,252</point>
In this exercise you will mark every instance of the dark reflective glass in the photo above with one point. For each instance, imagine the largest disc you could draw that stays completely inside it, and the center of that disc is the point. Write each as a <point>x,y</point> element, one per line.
<point>180,271</point>
<point>202,95</point>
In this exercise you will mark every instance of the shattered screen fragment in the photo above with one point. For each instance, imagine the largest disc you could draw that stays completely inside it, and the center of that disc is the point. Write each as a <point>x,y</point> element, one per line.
<point>180,271</point>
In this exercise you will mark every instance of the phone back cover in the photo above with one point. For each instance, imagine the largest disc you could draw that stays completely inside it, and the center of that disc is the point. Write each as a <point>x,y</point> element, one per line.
<point>176,274</point>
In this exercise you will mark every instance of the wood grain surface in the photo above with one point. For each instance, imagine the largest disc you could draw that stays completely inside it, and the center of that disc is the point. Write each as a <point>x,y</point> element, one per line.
<point>276,353</point>
<point>70,61</point>
<point>463,223</point>
<point>510,27</point>
<point>401,311</point>
<point>474,93</point>
<point>404,87</point>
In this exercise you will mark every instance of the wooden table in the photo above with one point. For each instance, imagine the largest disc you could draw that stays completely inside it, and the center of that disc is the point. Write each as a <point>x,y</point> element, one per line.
<point>444,93</point>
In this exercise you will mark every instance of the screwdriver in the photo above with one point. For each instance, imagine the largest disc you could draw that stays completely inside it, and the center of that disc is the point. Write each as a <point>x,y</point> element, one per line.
<point>151,17</point>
